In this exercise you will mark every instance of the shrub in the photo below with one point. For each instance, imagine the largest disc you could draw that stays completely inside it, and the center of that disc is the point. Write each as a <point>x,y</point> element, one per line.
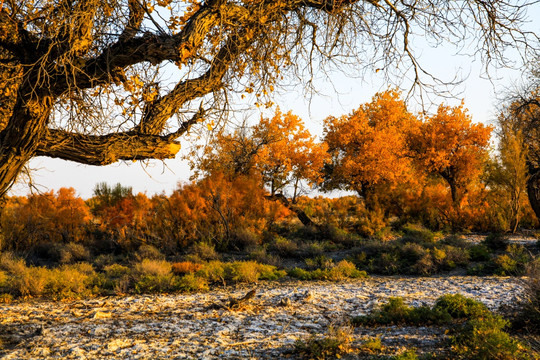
<point>319,262</point>
<point>244,271</point>
<point>284,246</point>
<point>213,271</point>
<point>29,281</point>
<point>345,269</point>
<point>244,238</point>
<point>69,281</point>
<point>528,316</point>
<point>484,339</point>
<point>192,283</point>
<point>479,252</point>
<point>204,251</point>
<point>417,234</point>
<point>150,252</point>
<point>260,255</point>
<point>116,271</point>
<point>153,267</point>
<point>496,241</point>
<point>461,307</point>
<point>406,355</point>
<point>372,345</point>
<point>153,276</point>
<point>333,345</point>
<point>186,267</point>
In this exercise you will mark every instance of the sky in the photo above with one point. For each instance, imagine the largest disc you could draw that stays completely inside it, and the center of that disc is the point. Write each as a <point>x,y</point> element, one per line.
<point>339,96</point>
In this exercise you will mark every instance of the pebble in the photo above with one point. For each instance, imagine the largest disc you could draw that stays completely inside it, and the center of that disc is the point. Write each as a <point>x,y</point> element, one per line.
<point>185,325</point>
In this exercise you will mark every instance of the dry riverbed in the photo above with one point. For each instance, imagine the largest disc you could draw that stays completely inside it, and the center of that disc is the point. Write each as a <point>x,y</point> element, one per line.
<point>196,326</point>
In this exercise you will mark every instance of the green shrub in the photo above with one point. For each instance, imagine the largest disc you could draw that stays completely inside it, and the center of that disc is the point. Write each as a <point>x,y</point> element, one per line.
<point>371,346</point>
<point>284,246</point>
<point>213,271</point>
<point>69,281</point>
<point>243,271</point>
<point>116,271</point>
<point>406,355</point>
<point>319,262</point>
<point>513,262</point>
<point>204,251</point>
<point>153,276</point>
<point>484,339</point>
<point>417,234</point>
<point>260,255</point>
<point>149,252</point>
<point>191,283</point>
<point>479,252</point>
<point>461,307</point>
<point>496,241</point>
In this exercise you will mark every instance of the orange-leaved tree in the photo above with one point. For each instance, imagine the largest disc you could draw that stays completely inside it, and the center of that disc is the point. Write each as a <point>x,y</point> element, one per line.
<point>449,144</point>
<point>279,150</point>
<point>44,218</point>
<point>368,148</point>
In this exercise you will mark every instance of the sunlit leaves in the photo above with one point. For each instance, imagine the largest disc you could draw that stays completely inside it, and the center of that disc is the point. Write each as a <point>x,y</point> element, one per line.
<point>369,146</point>
<point>451,145</point>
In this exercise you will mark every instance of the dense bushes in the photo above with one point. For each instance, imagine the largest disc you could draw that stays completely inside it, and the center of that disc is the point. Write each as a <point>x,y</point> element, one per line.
<point>475,332</point>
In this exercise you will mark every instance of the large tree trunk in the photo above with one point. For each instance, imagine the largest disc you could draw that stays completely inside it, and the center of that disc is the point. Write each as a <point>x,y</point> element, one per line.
<point>302,216</point>
<point>19,139</point>
<point>533,191</point>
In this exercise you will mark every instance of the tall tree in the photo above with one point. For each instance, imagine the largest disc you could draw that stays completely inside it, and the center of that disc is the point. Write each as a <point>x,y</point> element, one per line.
<point>368,148</point>
<point>89,81</point>
<point>449,144</point>
<point>279,150</point>
<point>522,115</point>
<point>508,175</point>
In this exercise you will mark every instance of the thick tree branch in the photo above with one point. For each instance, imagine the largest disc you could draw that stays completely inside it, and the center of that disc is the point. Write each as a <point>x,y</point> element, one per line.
<point>106,149</point>
<point>163,108</point>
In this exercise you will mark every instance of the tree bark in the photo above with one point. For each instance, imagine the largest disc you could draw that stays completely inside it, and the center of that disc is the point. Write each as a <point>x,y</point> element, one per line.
<point>302,216</point>
<point>533,191</point>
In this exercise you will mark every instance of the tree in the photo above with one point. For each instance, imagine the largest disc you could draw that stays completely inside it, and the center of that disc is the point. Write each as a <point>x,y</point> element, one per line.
<point>279,151</point>
<point>369,147</point>
<point>508,175</point>
<point>450,145</point>
<point>522,115</point>
<point>87,80</point>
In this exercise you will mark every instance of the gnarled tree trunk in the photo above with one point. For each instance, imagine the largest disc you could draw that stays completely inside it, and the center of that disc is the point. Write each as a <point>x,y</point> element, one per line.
<point>533,191</point>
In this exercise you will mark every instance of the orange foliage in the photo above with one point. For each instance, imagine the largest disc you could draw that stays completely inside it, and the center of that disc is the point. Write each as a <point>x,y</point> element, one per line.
<point>290,153</point>
<point>450,145</point>
<point>47,217</point>
<point>211,209</point>
<point>185,267</point>
<point>280,150</point>
<point>369,146</point>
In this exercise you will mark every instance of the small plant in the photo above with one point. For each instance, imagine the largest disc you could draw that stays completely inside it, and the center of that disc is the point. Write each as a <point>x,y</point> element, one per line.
<point>150,252</point>
<point>186,267</point>
<point>417,234</point>
<point>479,252</point>
<point>284,246</point>
<point>461,307</point>
<point>484,339</point>
<point>204,251</point>
<point>192,283</point>
<point>496,241</point>
<point>372,346</point>
<point>333,345</point>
